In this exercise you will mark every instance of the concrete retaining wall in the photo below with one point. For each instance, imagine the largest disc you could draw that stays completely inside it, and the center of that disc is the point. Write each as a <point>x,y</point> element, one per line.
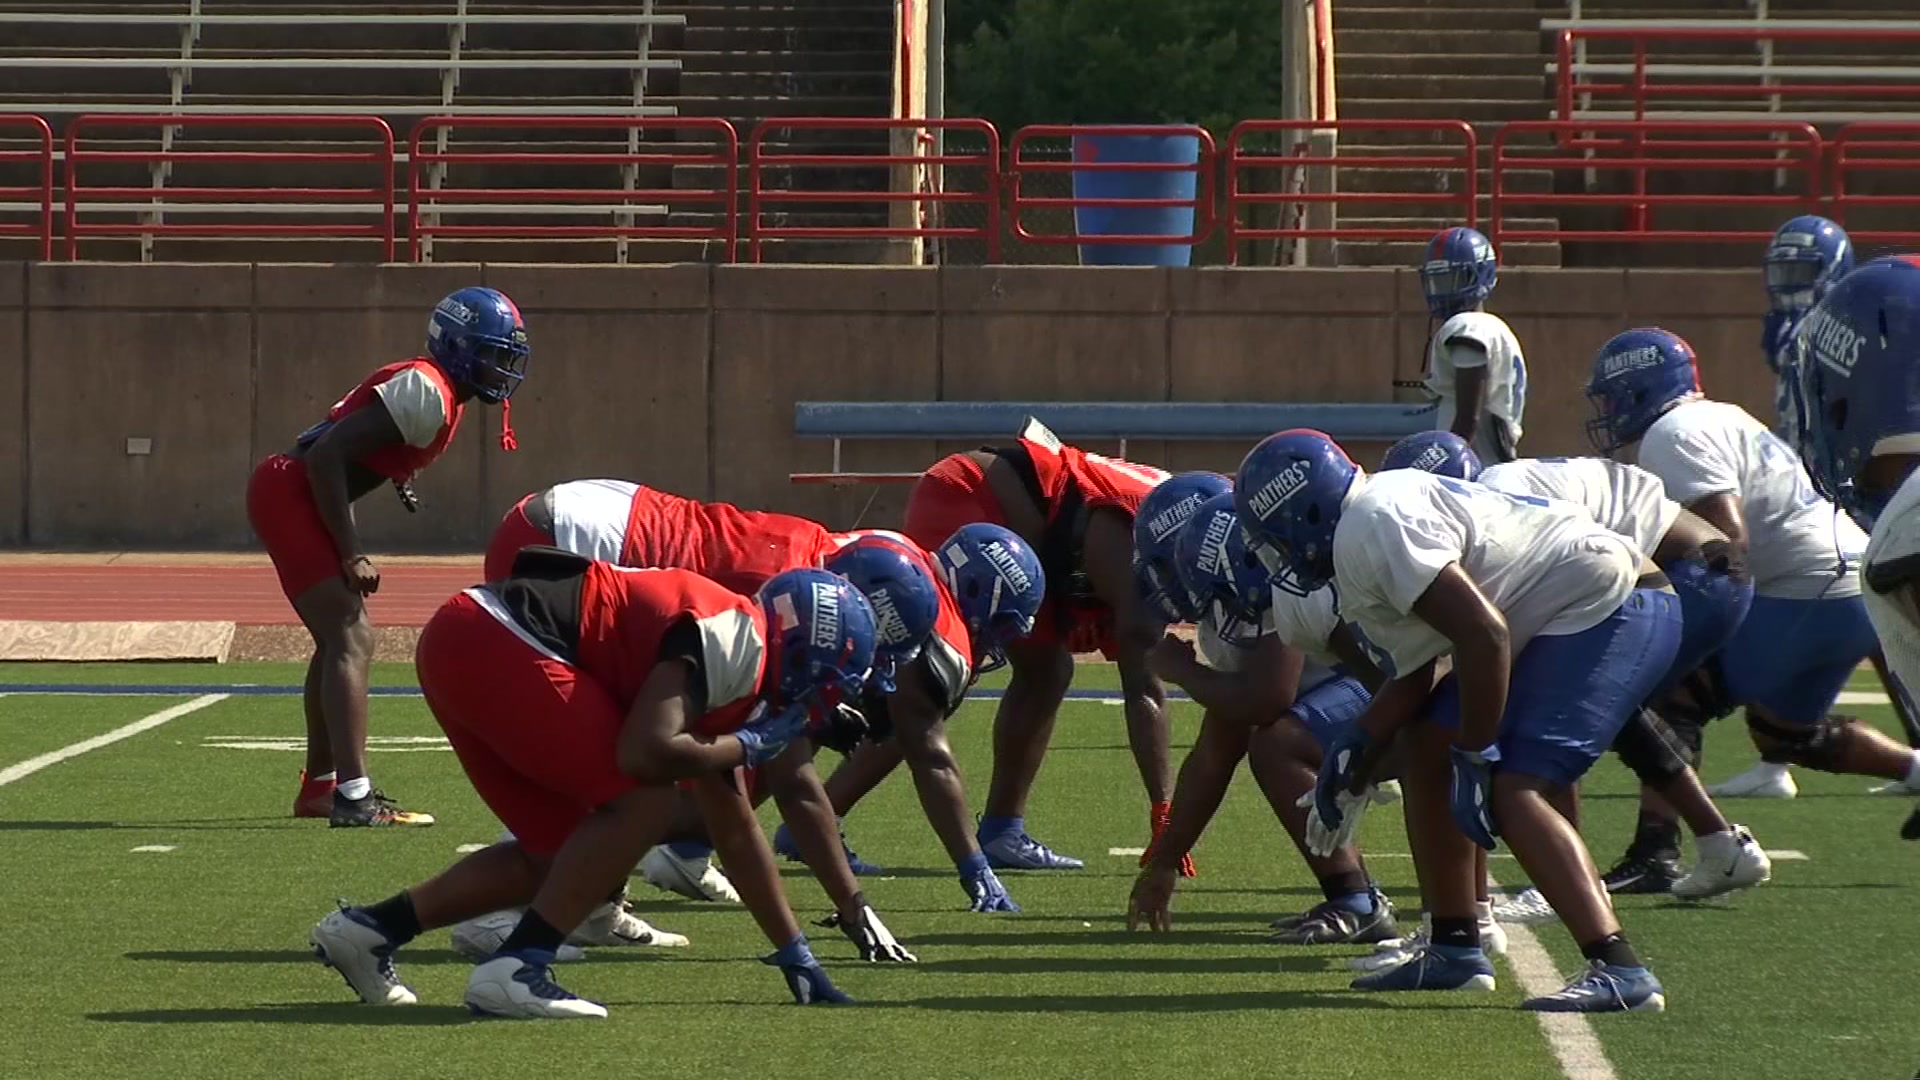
<point>685,376</point>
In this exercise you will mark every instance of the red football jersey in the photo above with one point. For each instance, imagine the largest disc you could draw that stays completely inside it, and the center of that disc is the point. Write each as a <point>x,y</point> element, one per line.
<point>625,614</point>
<point>1101,481</point>
<point>415,414</point>
<point>738,548</point>
<point>950,651</point>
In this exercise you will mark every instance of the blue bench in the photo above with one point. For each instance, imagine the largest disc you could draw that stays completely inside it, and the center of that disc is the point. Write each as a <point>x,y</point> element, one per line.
<point>1119,420</point>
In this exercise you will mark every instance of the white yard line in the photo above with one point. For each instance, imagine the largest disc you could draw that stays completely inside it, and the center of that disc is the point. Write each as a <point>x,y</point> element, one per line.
<point>33,765</point>
<point>1123,852</point>
<point>1569,1035</point>
<point>1863,697</point>
<point>154,849</point>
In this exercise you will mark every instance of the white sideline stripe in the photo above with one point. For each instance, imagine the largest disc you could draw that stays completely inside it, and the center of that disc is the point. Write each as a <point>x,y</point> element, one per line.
<point>155,848</point>
<point>468,849</point>
<point>1569,1035</point>
<point>1125,851</point>
<point>1789,855</point>
<point>1863,697</point>
<point>33,765</point>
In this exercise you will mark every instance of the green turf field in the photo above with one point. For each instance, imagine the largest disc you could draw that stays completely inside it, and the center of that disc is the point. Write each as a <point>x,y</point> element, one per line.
<point>193,962</point>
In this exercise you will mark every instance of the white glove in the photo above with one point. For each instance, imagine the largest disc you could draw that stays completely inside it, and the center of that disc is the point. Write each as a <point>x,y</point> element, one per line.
<point>1322,841</point>
<point>871,936</point>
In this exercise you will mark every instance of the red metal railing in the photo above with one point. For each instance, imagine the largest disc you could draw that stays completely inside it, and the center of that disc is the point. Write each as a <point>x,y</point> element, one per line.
<point>38,194</point>
<point>1023,166</point>
<point>1882,149</point>
<point>927,202</point>
<point>1627,154</point>
<point>156,199</point>
<point>625,197</point>
<point>1641,86</point>
<point>1449,171</point>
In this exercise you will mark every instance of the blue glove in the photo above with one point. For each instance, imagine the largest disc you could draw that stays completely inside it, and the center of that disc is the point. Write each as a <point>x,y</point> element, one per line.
<point>1338,770</point>
<point>761,740</point>
<point>984,891</point>
<point>806,979</point>
<point>1472,796</point>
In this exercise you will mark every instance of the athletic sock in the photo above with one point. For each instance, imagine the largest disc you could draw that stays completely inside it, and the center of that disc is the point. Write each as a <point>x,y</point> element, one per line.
<point>991,827</point>
<point>1655,837</point>
<point>534,932</point>
<point>1456,933</point>
<point>1613,950</point>
<point>1360,903</point>
<point>395,917</point>
<point>691,849</point>
<point>1345,883</point>
<point>355,789</point>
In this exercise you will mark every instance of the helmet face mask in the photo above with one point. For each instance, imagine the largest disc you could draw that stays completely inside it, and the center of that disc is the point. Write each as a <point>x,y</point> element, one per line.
<point>1222,572</point>
<point>1290,493</point>
<point>996,581</point>
<point>1459,273</point>
<point>1807,257</point>
<point>477,337</point>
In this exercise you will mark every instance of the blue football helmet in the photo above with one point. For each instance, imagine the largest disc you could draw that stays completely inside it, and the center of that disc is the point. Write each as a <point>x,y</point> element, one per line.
<point>477,337</point>
<point>996,581</point>
<point>1218,567</point>
<point>905,600</point>
<point>1289,492</point>
<point>1156,525</point>
<point>1439,452</point>
<point>1857,357</point>
<point>1806,257</point>
<point>1637,377</point>
<point>820,641</point>
<point>1459,273</point>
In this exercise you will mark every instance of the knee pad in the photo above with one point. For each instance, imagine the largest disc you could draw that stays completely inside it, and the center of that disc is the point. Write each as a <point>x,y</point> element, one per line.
<point>1816,745</point>
<point>1706,690</point>
<point>1655,752</point>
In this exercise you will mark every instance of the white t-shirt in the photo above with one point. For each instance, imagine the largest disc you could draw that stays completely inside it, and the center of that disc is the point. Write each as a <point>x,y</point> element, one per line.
<point>1304,623</point>
<point>1506,368</point>
<point>1545,564</point>
<point>1628,500</point>
<point>1800,547</point>
<point>416,404</point>
<point>1896,534</point>
<point>590,517</point>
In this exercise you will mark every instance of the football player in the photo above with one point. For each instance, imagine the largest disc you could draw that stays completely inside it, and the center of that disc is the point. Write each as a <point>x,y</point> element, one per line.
<point>1857,357</point>
<point>1558,629</point>
<point>1076,510</point>
<point>1808,628</point>
<point>576,694</point>
<point>396,422</point>
<point>1474,363</point>
<point>1708,573</point>
<point>1807,256</point>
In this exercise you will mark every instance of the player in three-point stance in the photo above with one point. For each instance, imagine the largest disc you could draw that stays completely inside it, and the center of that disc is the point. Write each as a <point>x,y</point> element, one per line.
<point>1857,358</point>
<point>1808,628</point>
<point>396,422</point>
<point>1558,629</point>
<point>1076,511</point>
<point>576,694</point>
<point>1474,363</point>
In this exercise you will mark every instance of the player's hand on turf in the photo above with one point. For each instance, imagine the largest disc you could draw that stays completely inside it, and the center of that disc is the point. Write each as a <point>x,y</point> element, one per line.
<point>876,943</point>
<point>1472,794</point>
<point>1158,822</point>
<point>806,979</point>
<point>984,891</point>
<point>762,740</point>
<point>1173,659</point>
<point>361,575</point>
<point>1152,900</point>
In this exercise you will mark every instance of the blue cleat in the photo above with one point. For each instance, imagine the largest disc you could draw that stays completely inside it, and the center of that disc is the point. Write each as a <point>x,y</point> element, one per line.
<point>1015,850</point>
<point>1435,967</point>
<point>1605,988</point>
<point>783,845</point>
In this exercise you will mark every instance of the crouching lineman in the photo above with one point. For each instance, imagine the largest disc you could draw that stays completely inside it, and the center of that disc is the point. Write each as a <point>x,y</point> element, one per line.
<point>576,694</point>
<point>1558,629</point>
<point>1857,357</point>
<point>1708,574</point>
<point>1255,653</point>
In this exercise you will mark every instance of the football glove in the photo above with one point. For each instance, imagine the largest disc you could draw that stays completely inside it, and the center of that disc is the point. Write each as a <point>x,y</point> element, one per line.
<point>871,936</point>
<point>1472,795</point>
<point>762,740</point>
<point>1323,840</point>
<point>984,891</point>
<point>806,979</point>
<point>1157,819</point>
<point>1338,771</point>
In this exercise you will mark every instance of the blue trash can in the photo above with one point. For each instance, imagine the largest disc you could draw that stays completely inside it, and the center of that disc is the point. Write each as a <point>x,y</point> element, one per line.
<point>1172,221</point>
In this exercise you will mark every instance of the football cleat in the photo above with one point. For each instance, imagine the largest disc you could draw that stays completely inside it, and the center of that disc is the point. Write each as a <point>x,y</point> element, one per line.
<point>1764,781</point>
<point>479,938</point>
<point>783,845</point>
<point>1330,924</point>
<point>694,878</point>
<point>1018,851</point>
<point>375,811</point>
<point>1430,968</point>
<point>614,923</point>
<point>1642,874</point>
<point>315,799</point>
<point>1524,908</point>
<point>1898,787</point>
<point>1385,793</point>
<point>1394,952</point>
<point>1724,862</point>
<point>1605,988</point>
<point>351,943</point>
<point>520,986</point>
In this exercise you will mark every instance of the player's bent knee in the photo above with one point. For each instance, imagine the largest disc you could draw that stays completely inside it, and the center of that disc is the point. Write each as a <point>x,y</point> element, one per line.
<point>1818,745</point>
<point>1653,750</point>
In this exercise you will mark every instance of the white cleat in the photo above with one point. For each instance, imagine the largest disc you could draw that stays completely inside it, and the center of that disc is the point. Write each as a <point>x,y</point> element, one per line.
<point>695,879</point>
<point>1524,908</point>
<point>615,924</point>
<point>520,986</point>
<point>1385,793</point>
<point>479,938</point>
<point>349,943</point>
<point>1725,862</point>
<point>1763,781</point>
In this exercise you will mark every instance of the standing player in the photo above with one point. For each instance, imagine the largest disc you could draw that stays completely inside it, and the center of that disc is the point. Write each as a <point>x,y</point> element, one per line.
<point>1474,364</point>
<point>576,693</point>
<point>1808,628</point>
<point>1076,510</point>
<point>1806,257</point>
<point>396,422</point>
<point>1555,636</point>
<point>1858,360</point>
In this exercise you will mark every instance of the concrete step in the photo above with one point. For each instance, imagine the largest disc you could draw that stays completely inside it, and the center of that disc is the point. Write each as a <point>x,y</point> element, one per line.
<point>1472,111</point>
<point>1363,179</point>
<point>1351,63</point>
<point>1448,87</point>
<point>1416,18</point>
<point>1453,42</point>
<point>873,83</point>
<point>797,13</point>
<point>746,111</point>
<point>709,38</point>
<point>756,61</point>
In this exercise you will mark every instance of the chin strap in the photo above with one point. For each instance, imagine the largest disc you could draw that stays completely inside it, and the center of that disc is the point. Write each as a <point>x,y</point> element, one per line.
<point>507,441</point>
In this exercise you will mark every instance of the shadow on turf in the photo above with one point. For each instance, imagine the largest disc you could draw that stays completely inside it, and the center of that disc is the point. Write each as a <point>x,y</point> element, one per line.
<point>305,956</point>
<point>1157,965</point>
<point>350,1013</point>
<point>1088,937</point>
<point>1230,1001</point>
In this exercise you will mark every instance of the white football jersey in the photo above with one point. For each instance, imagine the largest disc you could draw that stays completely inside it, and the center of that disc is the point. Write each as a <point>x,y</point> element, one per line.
<point>1304,622</point>
<point>1545,564</point>
<point>1506,368</point>
<point>590,517</point>
<point>1628,500</point>
<point>1214,648</point>
<point>1800,546</point>
<point>1896,534</point>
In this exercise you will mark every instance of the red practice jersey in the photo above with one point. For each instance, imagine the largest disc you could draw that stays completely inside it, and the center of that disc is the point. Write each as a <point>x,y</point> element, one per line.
<point>419,397</point>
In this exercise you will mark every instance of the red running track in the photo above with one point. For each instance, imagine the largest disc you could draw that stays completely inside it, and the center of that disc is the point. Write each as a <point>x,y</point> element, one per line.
<point>247,595</point>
